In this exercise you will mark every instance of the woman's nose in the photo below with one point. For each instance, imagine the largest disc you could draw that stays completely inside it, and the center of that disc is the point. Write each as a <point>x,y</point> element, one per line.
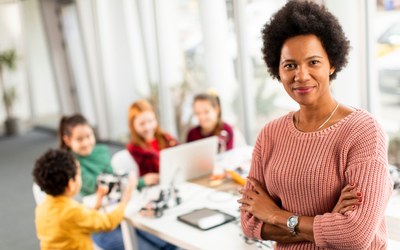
<point>301,74</point>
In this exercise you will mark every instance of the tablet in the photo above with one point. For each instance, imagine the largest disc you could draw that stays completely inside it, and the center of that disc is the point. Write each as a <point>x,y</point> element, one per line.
<point>206,218</point>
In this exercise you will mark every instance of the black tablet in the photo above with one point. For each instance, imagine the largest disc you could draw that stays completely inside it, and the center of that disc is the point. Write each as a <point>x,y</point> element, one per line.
<point>206,218</point>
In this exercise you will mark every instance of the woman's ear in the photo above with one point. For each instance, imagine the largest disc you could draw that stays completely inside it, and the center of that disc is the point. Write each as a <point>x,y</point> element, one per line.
<point>331,70</point>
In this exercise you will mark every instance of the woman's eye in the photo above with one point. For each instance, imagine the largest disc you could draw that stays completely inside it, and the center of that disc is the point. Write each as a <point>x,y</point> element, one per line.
<point>289,66</point>
<point>313,62</point>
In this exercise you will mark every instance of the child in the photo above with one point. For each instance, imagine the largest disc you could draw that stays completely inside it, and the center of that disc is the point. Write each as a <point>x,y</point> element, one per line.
<point>207,109</point>
<point>147,139</point>
<point>61,222</point>
<point>77,136</point>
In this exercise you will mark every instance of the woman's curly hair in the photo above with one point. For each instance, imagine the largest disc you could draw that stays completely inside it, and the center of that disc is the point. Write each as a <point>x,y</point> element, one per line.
<point>53,170</point>
<point>302,18</point>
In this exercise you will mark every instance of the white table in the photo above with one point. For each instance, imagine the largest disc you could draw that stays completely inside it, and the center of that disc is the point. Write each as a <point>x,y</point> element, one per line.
<point>228,236</point>
<point>168,228</point>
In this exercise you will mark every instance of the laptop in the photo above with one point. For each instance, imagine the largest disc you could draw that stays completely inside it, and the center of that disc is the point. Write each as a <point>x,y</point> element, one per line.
<point>188,161</point>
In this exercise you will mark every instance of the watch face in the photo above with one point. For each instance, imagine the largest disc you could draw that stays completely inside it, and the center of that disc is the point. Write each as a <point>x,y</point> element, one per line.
<point>292,222</point>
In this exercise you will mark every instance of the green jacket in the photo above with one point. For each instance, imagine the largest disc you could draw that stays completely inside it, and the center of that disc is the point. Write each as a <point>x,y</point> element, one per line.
<point>98,162</point>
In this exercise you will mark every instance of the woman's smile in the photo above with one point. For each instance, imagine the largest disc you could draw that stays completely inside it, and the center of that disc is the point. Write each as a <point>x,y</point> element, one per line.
<point>303,90</point>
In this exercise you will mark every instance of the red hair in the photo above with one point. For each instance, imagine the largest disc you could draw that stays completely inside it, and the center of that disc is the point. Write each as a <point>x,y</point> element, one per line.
<point>136,109</point>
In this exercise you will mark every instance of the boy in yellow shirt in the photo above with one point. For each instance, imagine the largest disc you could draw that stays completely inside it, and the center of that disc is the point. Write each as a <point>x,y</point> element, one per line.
<point>61,222</point>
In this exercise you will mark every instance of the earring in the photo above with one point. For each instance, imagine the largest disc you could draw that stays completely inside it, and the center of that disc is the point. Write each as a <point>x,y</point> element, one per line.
<point>330,73</point>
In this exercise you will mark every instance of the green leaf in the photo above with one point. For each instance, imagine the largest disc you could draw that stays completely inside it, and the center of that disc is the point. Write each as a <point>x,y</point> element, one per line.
<point>8,59</point>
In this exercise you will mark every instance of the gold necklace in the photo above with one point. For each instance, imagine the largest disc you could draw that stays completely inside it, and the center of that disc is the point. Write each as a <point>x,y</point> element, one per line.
<point>322,125</point>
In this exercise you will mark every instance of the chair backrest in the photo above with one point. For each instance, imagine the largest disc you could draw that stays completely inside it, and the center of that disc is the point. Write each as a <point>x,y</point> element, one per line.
<point>38,194</point>
<point>238,138</point>
<point>122,162</point>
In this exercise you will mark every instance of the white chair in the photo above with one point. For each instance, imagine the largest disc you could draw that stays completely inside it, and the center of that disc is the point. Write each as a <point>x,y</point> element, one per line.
<point>38,194</point>
<point>122,162</point>
<point>238,138</point>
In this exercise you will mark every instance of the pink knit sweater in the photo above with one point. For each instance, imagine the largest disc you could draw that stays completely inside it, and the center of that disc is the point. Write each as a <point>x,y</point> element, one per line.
<point>305,172</point>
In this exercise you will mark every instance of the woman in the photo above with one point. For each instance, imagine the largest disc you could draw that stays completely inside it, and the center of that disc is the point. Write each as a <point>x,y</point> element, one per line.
<point>303,160</point>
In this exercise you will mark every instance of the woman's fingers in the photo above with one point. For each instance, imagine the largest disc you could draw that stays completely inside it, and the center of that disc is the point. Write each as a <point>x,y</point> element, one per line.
<point>248,193</point>
<point>256,185</point>
<point>350,198</point>
<point>348,188</point>
<point>349,203</point>
<point>348,208</point>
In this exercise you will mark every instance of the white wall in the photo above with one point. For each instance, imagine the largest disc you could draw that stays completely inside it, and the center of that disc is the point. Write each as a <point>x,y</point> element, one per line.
<point>39,69</point>
<point>350,85</point>
<point>11,34</point>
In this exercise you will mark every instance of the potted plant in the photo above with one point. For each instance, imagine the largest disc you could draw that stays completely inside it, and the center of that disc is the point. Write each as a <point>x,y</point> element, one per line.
<point>8,60</point>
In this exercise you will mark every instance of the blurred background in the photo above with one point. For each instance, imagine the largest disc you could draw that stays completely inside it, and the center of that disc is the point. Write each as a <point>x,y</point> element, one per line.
<point>96,57</point>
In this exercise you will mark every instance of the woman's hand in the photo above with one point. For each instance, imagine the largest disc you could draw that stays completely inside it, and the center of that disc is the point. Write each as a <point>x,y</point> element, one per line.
<point>258,202</point>
<point>151,179</point>
<point>349,200</point>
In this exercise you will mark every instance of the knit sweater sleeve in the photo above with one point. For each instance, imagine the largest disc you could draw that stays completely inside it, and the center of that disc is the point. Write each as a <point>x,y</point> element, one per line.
<point>366,166</point>
<point>251,225</point>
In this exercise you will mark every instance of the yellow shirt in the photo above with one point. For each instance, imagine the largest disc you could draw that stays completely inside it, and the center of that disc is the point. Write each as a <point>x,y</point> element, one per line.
<point>62,223</point>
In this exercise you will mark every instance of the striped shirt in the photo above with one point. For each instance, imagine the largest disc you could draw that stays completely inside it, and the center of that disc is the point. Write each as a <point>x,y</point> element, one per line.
<point>304,173</point>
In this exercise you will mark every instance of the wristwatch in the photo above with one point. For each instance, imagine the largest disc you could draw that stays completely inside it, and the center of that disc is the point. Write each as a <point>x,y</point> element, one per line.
<point>291,223</point>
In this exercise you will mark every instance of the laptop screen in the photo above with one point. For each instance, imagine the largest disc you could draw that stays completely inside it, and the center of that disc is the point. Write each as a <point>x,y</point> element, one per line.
<point>188,161</point>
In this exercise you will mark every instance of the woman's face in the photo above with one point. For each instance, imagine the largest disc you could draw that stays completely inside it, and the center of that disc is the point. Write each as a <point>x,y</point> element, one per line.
<point>145,125</point>
<point>304,69</point>
<point>206,114</point>
<point>82,140</point>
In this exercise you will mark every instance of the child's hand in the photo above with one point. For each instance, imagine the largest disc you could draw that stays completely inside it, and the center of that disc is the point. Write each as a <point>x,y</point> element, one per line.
<point>349,200</point>
<point>132,181</point>
<point>100,193</point>
<point>151,179</point>
<point>102,190</point>
<point>131,185</point>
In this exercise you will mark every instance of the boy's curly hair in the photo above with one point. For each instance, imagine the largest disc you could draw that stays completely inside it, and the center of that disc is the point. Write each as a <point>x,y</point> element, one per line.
<point>53,170</point>
<point>303,18</point>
